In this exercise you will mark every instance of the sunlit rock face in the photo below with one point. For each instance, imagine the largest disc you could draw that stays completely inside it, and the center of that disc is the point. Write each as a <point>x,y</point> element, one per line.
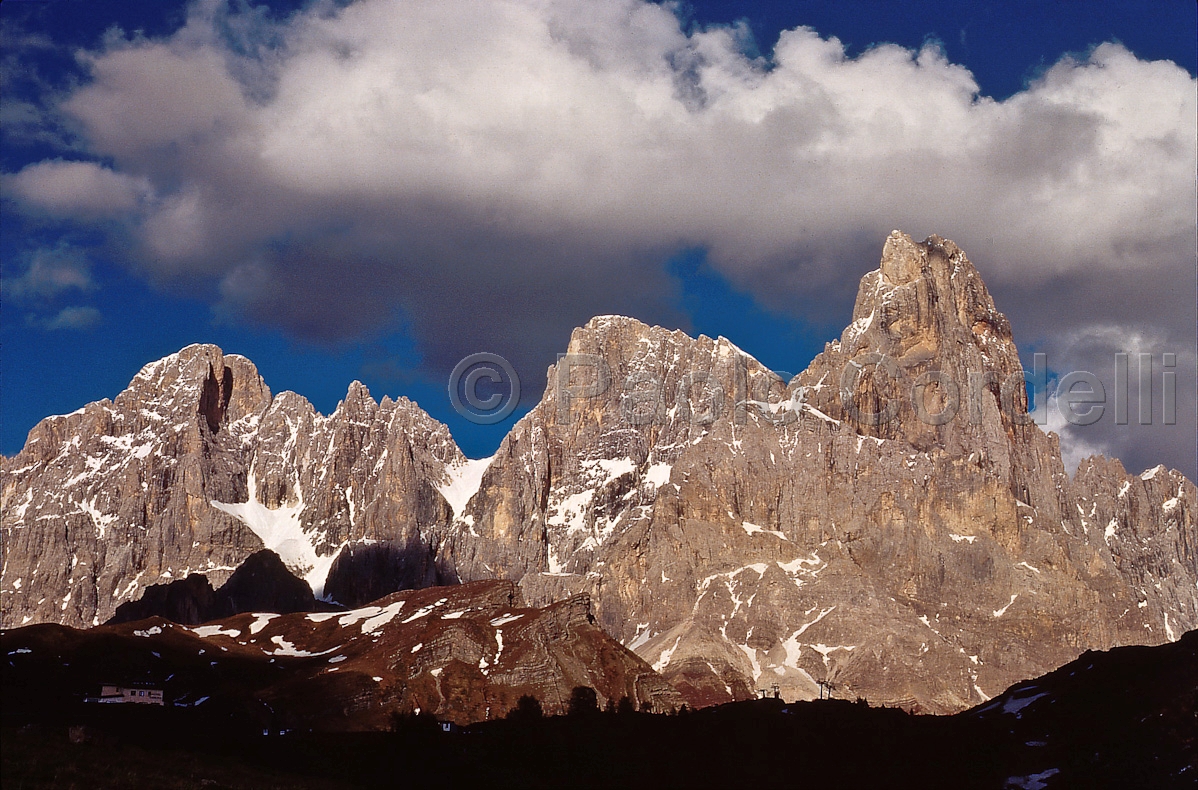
<point>889,523</point>
<point>915,542</point>
<point>193,468</point>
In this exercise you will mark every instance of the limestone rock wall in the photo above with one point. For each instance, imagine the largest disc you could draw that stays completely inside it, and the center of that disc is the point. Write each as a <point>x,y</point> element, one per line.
<point>193,468</point>
<point>739,531</point>
<point>889,524</point>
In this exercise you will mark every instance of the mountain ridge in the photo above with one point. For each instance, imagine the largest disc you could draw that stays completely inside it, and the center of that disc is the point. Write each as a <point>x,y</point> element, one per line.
<point>464,653</point>
<point>733,529</point>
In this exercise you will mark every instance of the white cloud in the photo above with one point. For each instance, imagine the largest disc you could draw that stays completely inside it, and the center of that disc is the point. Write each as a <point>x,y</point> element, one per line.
<point>1076,443</point>
<point>453,159</point>
<point>50,272</point>
<point>584,119</point>
<point>1092,348</point>
<point>82,189</point>
<point>73,318</point>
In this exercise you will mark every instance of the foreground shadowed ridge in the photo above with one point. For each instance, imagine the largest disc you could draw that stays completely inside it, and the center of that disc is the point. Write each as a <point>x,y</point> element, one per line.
<point>1122,718</point>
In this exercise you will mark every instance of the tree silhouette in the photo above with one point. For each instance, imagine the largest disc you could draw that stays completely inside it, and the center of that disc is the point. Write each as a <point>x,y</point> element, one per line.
<point>528,708</point>
<point>583,701</point>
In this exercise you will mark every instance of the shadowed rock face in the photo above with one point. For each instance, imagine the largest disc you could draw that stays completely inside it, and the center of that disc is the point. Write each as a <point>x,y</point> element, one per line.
<point>263,584</point>
<point>188,601</point>
<point>916,541</point>
<point>365,572</point>
<point>260,584</point>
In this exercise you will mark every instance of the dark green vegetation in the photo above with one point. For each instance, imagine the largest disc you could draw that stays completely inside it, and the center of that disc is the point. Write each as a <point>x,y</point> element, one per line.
<point>1125,718</point>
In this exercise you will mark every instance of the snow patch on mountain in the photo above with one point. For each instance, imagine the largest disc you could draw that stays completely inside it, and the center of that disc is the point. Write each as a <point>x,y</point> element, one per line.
<point>658,474</point>
<point>463,482</point>
<point>753,529</point>
<point>282,532</point>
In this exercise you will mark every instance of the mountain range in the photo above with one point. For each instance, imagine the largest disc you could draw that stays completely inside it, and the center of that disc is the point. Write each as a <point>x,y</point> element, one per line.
<point>890,523</point>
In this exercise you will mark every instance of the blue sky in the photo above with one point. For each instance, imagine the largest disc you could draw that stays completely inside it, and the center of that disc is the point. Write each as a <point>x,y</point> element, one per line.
<point>390,281</point>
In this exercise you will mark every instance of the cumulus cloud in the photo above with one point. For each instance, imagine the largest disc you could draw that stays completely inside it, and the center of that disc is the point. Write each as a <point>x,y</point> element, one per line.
<point>73,318</point>
<point>497,172</point>
<point>49,273</point>
<point>80,189</point>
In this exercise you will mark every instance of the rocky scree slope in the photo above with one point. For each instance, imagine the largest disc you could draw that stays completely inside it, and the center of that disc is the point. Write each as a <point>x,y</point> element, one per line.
<point>733,529</point>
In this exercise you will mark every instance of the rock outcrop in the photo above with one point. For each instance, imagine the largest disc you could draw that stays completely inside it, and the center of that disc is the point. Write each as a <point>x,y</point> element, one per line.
<point>260,584</point>
<point>889,524</point>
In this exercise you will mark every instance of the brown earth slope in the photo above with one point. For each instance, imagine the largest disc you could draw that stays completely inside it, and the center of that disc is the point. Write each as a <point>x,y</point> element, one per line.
<point>464,653</point>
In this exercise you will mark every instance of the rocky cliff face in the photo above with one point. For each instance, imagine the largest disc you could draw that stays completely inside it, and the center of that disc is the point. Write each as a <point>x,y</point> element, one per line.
<point>193,468</point>
<point>113,497</point>
<point>917,542</point>
<point>889,523</point>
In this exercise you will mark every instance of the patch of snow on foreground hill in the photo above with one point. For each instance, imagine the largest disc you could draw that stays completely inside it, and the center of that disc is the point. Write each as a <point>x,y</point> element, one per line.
<point>281,531</point>
<point>1032,781</point>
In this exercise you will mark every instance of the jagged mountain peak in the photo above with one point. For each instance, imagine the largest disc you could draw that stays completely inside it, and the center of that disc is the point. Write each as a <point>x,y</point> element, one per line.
<point>615,320</point>
<point>924,318</point>
<point>905,260</point>
<point>927,300</point>
<point>193,467</point>
<point>928,359</point>
<point>732,529</point>
<point>228,387</point>
<point>604,326</point>
<point>358,391</point>
<point>753,541</point>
